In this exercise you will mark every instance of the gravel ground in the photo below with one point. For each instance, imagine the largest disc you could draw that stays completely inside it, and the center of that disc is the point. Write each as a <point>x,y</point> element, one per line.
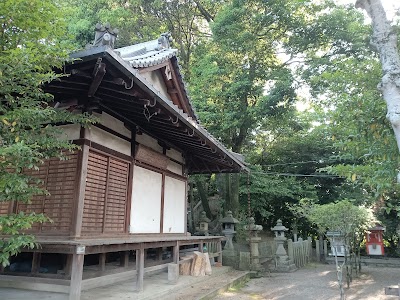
<point>317,282</point>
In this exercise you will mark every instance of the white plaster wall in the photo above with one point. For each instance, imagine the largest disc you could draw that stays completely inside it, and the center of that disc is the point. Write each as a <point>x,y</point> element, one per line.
<point>174,167</point>
<point>156,79</point>
<point>146,201</point>
<point>174,154</point>
<point>148,141</point>
<point>109,140</point>
<point>70,132</point>
<point>174,205</point>
<point>113,123</point>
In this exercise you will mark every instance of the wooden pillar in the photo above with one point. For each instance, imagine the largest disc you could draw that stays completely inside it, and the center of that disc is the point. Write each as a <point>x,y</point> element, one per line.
<point>139,268</point>
<point>68,265</point>
<point>83,159</point>
<point>76,277</point>
<point>36,262</point>
<point>124,259</point>
<point>175,253</point>
<point>159,253</point>
<point>102,261</point>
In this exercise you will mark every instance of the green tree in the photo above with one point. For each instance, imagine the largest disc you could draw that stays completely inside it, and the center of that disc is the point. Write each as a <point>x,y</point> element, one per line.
<point>30,47</point>
<point>348,219</point>
<point>136,20</point>
<point>143,20</point>
<point>343,76</point>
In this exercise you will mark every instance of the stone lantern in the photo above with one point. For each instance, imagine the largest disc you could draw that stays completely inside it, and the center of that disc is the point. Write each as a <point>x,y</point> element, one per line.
<point>283,264</point>
<point>228,225</point>
<point>279,230</point>
<point>203,223</point>
<point>254,239</point>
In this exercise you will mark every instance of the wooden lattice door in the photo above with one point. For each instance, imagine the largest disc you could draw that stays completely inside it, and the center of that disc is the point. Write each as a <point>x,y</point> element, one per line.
<point>106,194</point>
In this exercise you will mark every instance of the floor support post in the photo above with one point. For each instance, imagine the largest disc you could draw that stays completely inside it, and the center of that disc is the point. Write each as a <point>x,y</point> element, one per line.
<point>76,276</point>
<point>102,261</point>
<point>139,268</point>
<point>124,259</point>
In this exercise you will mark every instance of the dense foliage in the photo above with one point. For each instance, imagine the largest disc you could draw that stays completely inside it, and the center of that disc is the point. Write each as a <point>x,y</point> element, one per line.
<point>29,50</point>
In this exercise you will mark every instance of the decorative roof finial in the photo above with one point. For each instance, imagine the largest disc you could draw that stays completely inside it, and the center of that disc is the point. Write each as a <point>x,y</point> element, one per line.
<point>164,41</point>
<point>104,35</point>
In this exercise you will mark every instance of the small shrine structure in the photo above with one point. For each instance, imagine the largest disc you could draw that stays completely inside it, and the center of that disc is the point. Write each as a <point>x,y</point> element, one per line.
<point>374,240</point>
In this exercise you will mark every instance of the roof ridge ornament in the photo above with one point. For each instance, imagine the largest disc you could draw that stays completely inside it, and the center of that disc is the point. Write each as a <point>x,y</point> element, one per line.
<point>164,41</point>
<point>104,35</point>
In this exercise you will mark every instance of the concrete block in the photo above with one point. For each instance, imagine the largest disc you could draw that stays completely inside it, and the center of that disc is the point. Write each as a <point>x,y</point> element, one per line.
<point>173,273</point>
<point>244,261</point>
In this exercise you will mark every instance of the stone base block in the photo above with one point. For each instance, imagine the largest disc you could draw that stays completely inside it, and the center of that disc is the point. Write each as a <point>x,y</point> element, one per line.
<point>173,273</point>
<point>285,266</point>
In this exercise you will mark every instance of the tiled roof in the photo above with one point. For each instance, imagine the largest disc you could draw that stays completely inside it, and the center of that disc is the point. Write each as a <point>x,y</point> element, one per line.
<point>143,59</point>
<point>148,54</point>
<point>153,53</point>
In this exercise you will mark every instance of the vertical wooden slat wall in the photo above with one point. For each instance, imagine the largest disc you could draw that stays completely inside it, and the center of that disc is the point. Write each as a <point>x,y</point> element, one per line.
<point>95,193</point>
<point>117,196</point>
<point>106,194</point>
<point>59,177</point>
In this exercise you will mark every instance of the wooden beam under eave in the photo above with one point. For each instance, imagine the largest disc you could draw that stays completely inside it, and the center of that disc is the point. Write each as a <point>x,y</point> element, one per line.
<point>120,90</point>
<point>99,72</point>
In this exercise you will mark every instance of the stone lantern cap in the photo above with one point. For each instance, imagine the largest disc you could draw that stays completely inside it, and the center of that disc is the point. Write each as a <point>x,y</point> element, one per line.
<point>229,219</point>
<point>252,226</point>
<point>279,227</point>
<point>203,217</point>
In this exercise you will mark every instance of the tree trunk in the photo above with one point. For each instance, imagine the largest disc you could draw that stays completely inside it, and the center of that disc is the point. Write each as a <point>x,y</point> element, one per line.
<point>384,38</point>
<point>232,193</point>
<point>235,193</point>
<point>228,193</point>
<point>203,196</point>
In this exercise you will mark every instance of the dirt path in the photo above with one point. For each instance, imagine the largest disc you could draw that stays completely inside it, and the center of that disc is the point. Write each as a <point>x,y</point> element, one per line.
<point>317,282</point>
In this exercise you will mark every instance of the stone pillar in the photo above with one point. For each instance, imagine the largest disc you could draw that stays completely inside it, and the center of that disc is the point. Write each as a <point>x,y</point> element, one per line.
<point>254,240</point>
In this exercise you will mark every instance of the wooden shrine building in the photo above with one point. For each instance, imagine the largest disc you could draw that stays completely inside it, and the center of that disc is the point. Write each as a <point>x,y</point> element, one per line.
<point>124,194</point>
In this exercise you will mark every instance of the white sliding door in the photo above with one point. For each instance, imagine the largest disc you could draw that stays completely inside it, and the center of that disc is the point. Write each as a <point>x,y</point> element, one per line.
<point>146,201</point>
<point>174,206</point>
